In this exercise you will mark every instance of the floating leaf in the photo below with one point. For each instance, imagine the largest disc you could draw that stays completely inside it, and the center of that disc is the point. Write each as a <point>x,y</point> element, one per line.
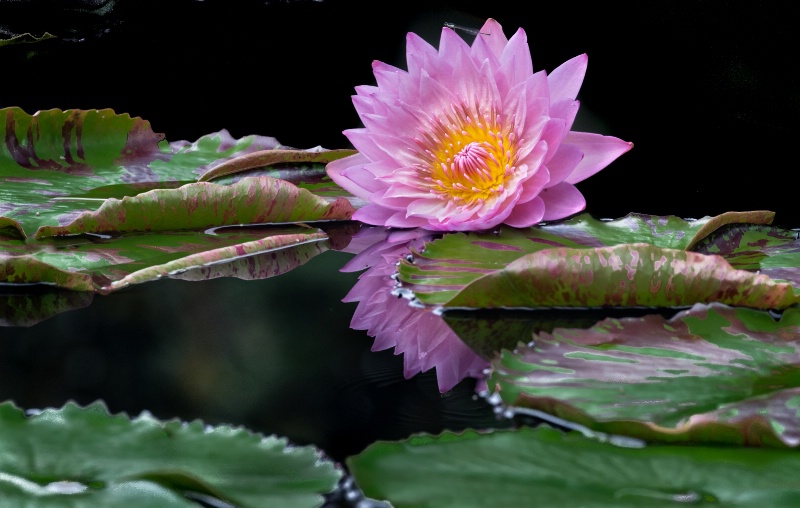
<point>56,164</point>
<point>709,374</point>
<point>628,275</point>
<point>448,265</point>
<point>91,263</point>
<point>78,172</point>
<point>264,158</point>
<point>545,467</point>
<point>259,200</point>
<point>769,250</point>
<point>86,457</point>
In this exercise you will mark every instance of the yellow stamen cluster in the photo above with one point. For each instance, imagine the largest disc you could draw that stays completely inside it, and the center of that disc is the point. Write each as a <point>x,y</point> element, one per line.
<point>468,158</point>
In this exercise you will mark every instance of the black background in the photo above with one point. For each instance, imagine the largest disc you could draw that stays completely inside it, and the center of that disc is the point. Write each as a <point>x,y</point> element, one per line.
<point>707,90</point>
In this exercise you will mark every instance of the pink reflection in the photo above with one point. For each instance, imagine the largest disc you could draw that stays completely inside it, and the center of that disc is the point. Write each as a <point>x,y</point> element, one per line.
<point>422,337</point>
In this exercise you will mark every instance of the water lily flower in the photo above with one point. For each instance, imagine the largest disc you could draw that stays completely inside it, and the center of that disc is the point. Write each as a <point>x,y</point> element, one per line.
<point>470,137</point>
<point>422,337</point>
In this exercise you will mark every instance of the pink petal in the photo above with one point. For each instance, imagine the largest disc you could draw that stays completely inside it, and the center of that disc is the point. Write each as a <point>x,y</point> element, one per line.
<point>400,220</point>
<point>526,214</point>
<point>598,152</point>
<point>534,184</point>
<point>494,40</point>
<point>387,76</point>
<point>450,45</point>
<point>563,163</point>
<point>567,78</point>
<point>419,54</point>
<point>366,146</point>
<point>515,62</point>
<point>561,201</point>
<point>373,214</point>
<point>566,110</point>
<point>338,172</point>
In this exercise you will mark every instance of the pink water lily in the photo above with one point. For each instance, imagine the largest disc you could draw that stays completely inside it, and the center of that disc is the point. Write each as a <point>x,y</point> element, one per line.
<point>471,137</point>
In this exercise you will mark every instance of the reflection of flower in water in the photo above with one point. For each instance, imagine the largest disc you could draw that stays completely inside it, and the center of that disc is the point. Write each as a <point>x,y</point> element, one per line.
<point>471,137</point>
<point>422,337</point>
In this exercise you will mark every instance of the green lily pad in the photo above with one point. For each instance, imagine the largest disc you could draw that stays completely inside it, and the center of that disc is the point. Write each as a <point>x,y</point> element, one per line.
<point>545,467</point>
<point>86,457</point>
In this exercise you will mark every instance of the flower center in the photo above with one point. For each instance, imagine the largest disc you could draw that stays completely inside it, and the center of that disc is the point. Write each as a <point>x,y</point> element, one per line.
<point>467,158</point>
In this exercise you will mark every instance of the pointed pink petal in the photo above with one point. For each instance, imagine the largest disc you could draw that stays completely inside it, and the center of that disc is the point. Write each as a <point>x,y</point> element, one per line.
<point>494,40</point>
<point>515,62</point>
<point>598,152</point>
<point>561,201</point>
<point>566,80</point>
<point>419,54</point>
<point>340,169</point>
<point>366,146</point>
<point>450,45</point>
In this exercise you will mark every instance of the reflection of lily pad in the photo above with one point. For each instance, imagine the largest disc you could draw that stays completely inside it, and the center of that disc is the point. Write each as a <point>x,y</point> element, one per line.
<point>545,467</point>
<point>26,38</point>
<point>710,374</point>
<point>86,457</point>
<point>31,307</point>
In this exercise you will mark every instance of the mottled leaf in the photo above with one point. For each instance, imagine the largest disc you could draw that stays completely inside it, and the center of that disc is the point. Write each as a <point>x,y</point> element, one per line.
<point>85,457</point>
<point>448,265</point>
<point>265,158</point>
<point>93,263</point>
<point>712,373</point>
<point>545,467</point>
<point>56,164</point>
<point>628,275</point>
<point>769,250</point>
<point>489,331</point>
<point>259,200</point>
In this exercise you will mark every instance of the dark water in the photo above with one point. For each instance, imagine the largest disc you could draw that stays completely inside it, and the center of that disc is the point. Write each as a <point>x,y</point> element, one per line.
<point>702,89</point>
<point>275,355</point>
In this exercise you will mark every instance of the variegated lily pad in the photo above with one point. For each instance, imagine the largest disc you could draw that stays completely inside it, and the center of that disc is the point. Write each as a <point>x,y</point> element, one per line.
<point>713,373</point>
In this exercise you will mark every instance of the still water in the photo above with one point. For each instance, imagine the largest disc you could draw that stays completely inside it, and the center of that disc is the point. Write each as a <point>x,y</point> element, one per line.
<point>277,356</point>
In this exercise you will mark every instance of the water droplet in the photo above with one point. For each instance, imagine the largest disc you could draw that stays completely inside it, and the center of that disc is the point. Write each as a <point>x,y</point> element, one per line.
<point>65,487</point>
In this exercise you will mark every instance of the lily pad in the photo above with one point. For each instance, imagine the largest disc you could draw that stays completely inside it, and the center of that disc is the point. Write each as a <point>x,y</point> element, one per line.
<point>546,467</point>
<point>87,457</point>
<point>103,264</point>
<point>57,164</point>
<point>628,275</point>
<point>712,373</point>
<point>449,265</point>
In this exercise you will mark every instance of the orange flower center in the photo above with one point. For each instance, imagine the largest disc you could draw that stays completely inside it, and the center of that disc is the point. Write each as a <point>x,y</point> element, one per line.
<point>468,159</point>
